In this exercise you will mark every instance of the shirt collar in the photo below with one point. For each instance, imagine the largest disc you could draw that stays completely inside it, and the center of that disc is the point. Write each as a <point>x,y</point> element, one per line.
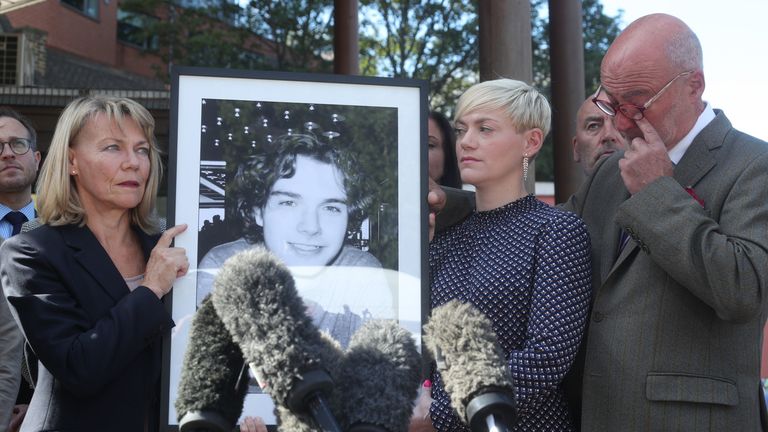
<point>28,210</point>
<point>676,153</point>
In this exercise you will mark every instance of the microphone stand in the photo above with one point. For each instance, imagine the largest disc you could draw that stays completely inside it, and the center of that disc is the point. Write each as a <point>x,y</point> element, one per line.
<point>307,395</point>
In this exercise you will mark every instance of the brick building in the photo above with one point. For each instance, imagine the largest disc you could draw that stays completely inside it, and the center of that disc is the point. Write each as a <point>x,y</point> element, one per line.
<point>54,50</point>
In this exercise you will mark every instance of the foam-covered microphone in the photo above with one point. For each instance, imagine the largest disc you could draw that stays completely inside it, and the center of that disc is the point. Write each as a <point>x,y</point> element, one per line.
<point>212,386</point>
<point>255,296</point>
<point>472,365</point>
<point>378,378</point>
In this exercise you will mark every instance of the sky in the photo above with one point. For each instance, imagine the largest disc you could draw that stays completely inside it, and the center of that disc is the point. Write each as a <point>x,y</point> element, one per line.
<point>734,37</point>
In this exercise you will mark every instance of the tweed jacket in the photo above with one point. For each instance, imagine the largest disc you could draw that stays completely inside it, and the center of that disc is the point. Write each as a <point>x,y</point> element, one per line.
<point>675,334</point>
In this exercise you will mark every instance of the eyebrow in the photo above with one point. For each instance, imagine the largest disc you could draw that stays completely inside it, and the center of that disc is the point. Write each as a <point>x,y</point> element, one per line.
<point>123,141</point>
<point>592,118</point>
<point>626,95</point>
<point>299,196</point>
<point>479,120</point>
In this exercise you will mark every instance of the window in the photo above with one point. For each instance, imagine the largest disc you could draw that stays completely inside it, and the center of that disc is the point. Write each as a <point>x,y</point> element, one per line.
<point>132,29</point>
<point>87,7</point>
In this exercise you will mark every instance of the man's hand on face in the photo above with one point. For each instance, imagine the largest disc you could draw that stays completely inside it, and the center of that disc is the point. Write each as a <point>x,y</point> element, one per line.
<point>645,159</point>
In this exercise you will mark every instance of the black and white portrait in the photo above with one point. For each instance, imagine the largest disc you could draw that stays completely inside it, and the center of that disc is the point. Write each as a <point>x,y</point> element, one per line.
<point>313,184</point>
<point>328,173</point>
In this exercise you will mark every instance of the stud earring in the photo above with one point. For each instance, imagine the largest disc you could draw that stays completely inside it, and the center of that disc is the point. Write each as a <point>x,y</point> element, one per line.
<point>525,167</point>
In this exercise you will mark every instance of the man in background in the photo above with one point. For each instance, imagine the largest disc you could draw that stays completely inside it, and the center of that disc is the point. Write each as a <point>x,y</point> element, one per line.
<point>19,162</point>
<point>596,136</point>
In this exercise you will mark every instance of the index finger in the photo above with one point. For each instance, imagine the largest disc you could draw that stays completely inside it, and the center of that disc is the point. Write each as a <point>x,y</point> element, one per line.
<point>167,237</point>
<point>435,197</point>
<point>649,132</point>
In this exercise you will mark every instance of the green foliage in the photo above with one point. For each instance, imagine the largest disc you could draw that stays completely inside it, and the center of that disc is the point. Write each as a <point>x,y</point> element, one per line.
<point>434,40</point>
<point>299,32</point>
<point>263,34</point>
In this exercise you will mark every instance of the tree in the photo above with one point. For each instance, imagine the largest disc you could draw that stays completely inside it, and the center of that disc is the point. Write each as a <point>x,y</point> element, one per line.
<point>299,31</point>
<point>261,34</point>
<point>434,40</point>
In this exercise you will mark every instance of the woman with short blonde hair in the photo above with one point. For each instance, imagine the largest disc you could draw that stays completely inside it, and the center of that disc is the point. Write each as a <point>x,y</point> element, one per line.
<point>523,264</point>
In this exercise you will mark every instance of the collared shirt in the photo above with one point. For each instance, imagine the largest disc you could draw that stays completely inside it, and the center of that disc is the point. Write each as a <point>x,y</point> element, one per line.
<point>5,227</point>
<point>676,153</point>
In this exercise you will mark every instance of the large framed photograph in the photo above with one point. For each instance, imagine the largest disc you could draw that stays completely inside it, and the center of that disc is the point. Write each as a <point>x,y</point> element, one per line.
<point>327,172</point>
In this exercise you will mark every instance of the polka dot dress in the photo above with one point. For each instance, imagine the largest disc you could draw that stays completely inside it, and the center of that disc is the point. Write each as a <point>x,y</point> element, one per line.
<point>527,266</point>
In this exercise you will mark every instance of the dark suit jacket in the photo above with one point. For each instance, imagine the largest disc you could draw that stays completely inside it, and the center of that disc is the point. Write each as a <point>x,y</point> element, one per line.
<point>674,340</point>
<point>99,344</point>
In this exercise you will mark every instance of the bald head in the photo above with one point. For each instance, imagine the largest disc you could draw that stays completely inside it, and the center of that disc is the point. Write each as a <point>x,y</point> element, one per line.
<point>658,41</point>
<point>596,136</point>
<point>649,54</point>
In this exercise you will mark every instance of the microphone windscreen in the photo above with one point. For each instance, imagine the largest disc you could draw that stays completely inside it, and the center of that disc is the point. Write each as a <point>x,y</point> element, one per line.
<point>330,355</point>
<point>211,369</point>
<point>467,352</point>
<point>379,377</point>
<point>255,296</point>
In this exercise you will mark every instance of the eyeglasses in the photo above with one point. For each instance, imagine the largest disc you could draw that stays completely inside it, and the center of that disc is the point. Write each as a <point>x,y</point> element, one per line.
<point>631,111</point>
<point>19,146</point>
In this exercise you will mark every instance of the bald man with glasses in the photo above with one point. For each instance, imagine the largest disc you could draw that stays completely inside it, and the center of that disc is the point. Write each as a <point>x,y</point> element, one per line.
<point>679,224</point>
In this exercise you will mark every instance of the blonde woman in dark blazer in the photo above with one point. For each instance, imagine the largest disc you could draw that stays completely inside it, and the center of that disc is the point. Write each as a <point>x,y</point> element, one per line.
<point>86,286</point>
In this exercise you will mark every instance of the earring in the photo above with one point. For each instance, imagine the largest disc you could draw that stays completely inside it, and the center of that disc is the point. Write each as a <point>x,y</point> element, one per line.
<point>525,167</point>
<point>74,172</point>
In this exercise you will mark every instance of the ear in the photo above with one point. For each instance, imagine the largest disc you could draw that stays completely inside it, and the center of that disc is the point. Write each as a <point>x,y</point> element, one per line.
<point>258,216</point>
<point>576,155</point>
<point>696,84</point>
<point>534,138</point>
<point>37,160</point>
<point>72,159</point>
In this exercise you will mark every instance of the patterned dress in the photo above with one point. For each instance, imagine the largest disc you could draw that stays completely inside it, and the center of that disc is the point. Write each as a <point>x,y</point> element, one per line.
<point>527,266</point>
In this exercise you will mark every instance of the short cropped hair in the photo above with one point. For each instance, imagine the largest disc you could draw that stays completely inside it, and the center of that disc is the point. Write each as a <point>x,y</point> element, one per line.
<point>58,201</point>
<point>524,104</point>
<point>12,113</point>
<point>257,175</point>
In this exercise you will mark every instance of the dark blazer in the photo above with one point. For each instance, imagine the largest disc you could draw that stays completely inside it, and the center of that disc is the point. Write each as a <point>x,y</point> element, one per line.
<point>99,344</point>
<point>674,340</point>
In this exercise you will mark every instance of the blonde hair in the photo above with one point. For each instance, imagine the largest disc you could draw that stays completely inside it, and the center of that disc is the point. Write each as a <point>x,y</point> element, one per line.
<point>58,202</point>
<point>524,104</point>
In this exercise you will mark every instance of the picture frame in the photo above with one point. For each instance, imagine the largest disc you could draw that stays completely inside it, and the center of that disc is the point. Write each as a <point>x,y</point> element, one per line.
<point>225,123</point>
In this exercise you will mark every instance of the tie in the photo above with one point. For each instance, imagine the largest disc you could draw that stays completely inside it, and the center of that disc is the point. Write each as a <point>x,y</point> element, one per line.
<point>16,219</point>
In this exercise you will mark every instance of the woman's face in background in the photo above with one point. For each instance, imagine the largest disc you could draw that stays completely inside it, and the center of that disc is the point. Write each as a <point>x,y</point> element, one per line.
<point>305,216</point>
<point>436,143</point>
